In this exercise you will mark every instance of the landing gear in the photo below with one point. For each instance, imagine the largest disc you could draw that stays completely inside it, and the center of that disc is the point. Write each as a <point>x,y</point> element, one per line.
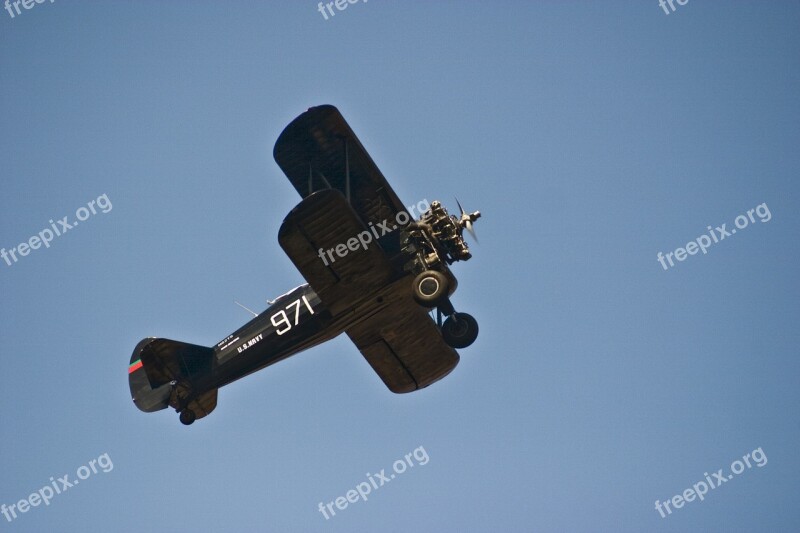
<point>430,288</point>
<point>187,416</point>
<point>460,330</point>
<point>429,245</point>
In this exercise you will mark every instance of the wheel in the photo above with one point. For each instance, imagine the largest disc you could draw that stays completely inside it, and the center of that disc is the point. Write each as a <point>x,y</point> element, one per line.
<point>460,330</point>
<point>430,288</point>
<point>187,417</point>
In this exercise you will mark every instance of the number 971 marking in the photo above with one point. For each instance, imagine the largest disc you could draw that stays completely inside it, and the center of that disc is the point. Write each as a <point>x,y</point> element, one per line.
<point>283,324</point>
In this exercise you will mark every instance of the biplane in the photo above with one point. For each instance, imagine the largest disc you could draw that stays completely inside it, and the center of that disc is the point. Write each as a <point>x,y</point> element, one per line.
<point>382,293</point>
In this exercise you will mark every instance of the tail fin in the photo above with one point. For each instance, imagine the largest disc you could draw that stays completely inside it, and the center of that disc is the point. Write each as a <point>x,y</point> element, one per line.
<point>164,373</point>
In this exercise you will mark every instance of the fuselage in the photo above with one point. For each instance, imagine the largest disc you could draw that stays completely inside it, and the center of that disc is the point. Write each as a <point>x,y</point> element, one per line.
<point>297,321</point>
<point>294,322</point>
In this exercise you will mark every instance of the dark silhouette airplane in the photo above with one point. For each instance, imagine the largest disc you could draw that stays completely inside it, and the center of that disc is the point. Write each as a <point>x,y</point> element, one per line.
<point>373,272</point>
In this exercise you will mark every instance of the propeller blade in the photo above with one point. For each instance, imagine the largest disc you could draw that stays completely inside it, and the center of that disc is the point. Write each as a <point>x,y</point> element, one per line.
<point>467,221</point>
<point>472,231</point>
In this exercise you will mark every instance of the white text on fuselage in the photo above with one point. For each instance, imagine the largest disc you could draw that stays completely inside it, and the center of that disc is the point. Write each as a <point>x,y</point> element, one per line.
<point>250,343</point>
<point>227,341</point>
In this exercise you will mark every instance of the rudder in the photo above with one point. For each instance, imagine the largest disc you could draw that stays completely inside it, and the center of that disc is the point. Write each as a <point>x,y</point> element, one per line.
<point>164,373</point>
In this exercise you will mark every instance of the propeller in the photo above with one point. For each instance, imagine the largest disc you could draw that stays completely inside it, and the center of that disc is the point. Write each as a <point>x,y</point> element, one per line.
<point>467,219</point>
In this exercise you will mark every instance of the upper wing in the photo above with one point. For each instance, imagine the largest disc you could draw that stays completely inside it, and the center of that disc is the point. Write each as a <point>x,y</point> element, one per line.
<point>325,221</point>
<point>317,150</point>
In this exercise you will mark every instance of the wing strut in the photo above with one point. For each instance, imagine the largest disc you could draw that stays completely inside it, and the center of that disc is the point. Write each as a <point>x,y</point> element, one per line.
<point>321,175</point>
<point>346,171</point>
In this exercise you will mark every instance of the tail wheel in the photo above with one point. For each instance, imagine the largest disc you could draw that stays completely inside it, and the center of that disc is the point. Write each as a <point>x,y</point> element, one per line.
<point>187,417</point>
<point>430,288</point>
<point>460,330</point>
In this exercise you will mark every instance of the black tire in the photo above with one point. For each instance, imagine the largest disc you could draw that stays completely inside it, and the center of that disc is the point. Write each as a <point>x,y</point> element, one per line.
<point>430,288</point>
<point>187,417</point>
<point>460,330</point>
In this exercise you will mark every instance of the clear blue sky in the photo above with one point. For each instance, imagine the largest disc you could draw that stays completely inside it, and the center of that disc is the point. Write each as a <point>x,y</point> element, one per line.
<point>590,135</point>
